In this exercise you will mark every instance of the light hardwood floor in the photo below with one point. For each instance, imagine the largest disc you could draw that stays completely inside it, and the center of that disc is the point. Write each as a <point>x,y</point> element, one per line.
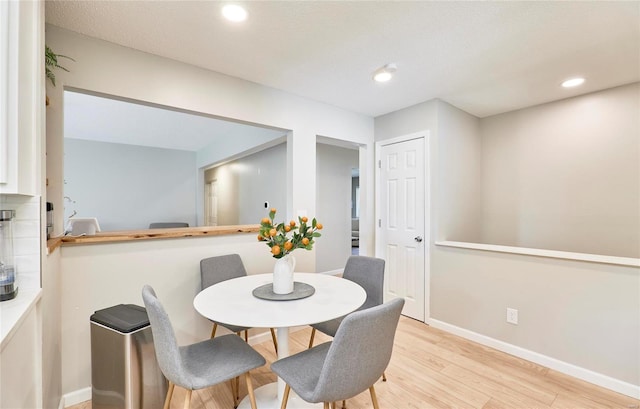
<point>433,369</point>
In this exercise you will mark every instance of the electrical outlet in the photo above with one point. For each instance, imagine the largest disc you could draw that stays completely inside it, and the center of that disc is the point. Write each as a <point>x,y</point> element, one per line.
<point>512,316</point>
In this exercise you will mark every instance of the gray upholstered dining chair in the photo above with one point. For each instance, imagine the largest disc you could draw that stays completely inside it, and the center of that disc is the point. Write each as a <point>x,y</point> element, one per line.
<point>368,272</point>
<point>202,364</point>
<point>347,366</point>
<point>214,270</point>
<point>167,225</point>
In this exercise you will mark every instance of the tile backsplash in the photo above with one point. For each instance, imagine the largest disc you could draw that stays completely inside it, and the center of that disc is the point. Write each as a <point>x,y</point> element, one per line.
<point>26,234</point>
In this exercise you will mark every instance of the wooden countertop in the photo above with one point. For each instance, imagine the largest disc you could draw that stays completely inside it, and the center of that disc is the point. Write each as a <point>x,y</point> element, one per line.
<point>150,234</point>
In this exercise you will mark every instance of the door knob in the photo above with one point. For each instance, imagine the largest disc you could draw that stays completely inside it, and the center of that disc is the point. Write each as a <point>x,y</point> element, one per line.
<point>418,239</point>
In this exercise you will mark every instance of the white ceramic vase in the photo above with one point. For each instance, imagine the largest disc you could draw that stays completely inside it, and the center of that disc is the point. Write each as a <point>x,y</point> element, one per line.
<point>283,275</point>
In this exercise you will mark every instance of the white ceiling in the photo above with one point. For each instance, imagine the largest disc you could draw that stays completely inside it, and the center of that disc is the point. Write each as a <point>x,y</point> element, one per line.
<point>483,57</point>
<point>96,118</point>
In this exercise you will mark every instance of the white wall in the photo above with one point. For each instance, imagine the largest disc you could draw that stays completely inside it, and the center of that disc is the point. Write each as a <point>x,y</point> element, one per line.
<point>334,205</point>
<point>565,175</point>
<point>114,70</point>
<point>128,186</point>
<point>454,163</point>
<point>225,148</point>
<point>170,265</point>
<point>245,184</point>
<point>100,276</point>
<point>580,313</point>
<point>417,118</point>
<point>459,170</point>
<point>582,316</point>
<point>51,330</point>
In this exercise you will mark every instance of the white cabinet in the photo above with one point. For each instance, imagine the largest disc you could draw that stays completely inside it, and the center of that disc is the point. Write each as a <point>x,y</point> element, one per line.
<point>21,96</point>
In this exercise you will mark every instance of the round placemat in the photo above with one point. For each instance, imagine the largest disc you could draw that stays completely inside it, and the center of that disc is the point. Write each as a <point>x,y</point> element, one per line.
<point>300,290</point>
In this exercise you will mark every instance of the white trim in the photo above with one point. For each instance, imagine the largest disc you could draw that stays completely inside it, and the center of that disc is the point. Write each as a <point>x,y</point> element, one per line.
<point>596,378</point>
<point>75,397</point>
<point>594,258</point>
<point>333,272</point>
<point>265,336</point>
<point>428,171</point>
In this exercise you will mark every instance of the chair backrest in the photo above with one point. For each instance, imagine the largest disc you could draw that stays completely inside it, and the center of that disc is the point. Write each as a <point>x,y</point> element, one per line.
<point>368,272</point>
<point>220,268</point>
<point>359,353</point>
<point>167,225</point>
<point>164,339</point>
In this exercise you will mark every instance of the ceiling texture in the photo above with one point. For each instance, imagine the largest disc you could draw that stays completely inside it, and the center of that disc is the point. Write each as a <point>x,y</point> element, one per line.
<point>482,57</point>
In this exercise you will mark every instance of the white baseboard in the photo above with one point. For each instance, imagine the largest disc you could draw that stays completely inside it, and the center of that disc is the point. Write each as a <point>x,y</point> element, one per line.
<point>260,338</point>
<point>334,272</point>
<point>587,375</point>
<point>266,335</point>
<point>75,397</point>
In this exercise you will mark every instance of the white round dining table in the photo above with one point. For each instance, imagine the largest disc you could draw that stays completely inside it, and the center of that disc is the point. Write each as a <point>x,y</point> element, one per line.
<point>232,302</point>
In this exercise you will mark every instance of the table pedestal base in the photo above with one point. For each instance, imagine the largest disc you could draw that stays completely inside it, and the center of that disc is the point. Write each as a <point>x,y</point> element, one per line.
<point>267,398</point>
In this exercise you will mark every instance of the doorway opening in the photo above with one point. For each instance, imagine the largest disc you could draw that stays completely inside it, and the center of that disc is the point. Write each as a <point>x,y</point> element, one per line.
<point>355,211</point>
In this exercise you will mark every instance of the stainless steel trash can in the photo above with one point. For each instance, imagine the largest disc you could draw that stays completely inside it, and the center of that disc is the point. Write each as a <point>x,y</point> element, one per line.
<point>124,369</point>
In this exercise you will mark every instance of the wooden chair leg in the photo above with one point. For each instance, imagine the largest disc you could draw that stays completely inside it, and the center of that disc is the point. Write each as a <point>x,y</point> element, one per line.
<point>285,397</point>
<point>233,392</point>
<point>252,397</point>
<point>167,401</point>
<point>326,405</point>
<point>333,405</point>
<point>213,331</point>
<point>237,387</point>
<point>313,334</point>
<point>275,341</point>
<point>374,399</point>
<point>187,399</point>
<point>384,377</point>
<point>344,404</point>
<point>246,335</point>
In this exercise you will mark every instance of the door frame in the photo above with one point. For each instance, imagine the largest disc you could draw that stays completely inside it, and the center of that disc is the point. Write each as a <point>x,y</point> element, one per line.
<point>428,227</point>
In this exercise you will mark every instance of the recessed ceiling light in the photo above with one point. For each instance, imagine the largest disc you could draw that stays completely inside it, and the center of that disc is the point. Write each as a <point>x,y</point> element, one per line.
<point>235,13</point>
<point>385,73</point>
<point>573,82</point>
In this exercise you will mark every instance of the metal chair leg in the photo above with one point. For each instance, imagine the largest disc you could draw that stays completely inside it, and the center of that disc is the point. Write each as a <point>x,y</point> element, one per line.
<point>313,334</point>
<point>285,397</point>
<point>374,399</point>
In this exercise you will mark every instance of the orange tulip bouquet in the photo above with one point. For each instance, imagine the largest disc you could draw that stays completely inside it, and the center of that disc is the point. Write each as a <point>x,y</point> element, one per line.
<point>283,239</point>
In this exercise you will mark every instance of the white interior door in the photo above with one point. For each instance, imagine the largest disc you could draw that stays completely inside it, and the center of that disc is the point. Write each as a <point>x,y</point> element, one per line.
<point>401,222</point>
